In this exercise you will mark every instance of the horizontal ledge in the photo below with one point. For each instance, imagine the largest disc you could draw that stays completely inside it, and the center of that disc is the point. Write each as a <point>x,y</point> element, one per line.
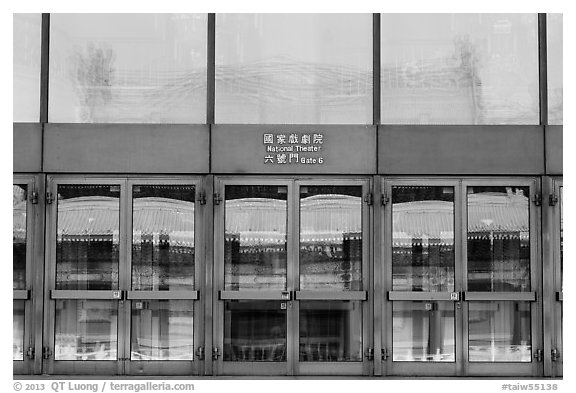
<point>151,295</point>
<point>494,296</point>
<point>21,294</point>
<point>560,296</point>
<point>328,295</point>
<point>425,296</point>
<point>254,295</point>
<point>72,294</point>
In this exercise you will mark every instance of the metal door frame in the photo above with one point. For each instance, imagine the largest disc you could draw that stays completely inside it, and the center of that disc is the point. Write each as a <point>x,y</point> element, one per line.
<point>97,367</point>
<point>338,368</point>
<point>167,367</point>
<point>32,294</point>
<point>552,276</point>
<point>292,365</point>
<point>533,368</point>
<point>462,367</point>
<point>221,367</point>
<point>420,368</point>
<point>122,365</point>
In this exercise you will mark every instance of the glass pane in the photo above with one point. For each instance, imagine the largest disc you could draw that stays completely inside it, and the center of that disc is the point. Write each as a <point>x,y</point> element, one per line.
<point>18,329</point>
<point>423,332</point>
<point>128,68</point>
<point>254,331</point>
<point>19,205</point>
<point>331,238</point>
<point>423,238</point>
<point>294,68</point>
<point>26,51</point>
<point>499,332</point>
<point>86,330</point>
<point>162,330</point>
<point>554,25</point>
<point>331,331</point>
<point>255,237</point>
<point>459,69</point>
<point>87,237</point>
<point>163,250</point>
<point>499,239</point>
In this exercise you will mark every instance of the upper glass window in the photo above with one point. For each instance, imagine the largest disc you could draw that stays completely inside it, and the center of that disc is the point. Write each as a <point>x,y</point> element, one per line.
<point>554,26</point>
<point>27,48</point>
<point>123,68</point>
<point>294,68</point>
<point>459,69</point>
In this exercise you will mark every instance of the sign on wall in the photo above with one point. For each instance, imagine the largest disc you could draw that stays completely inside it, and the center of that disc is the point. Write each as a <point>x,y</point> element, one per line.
<point>293,148</point>
<point>283,148</point>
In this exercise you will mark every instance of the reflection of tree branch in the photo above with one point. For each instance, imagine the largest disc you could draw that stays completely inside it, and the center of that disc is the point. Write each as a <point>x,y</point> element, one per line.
<point>92,74</point>
<point>467,53</point>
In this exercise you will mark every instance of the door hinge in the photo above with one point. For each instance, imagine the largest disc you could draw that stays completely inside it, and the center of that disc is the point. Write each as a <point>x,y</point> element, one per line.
<point>555,355</point>
<point>538,355</point>
<point>552,199</point>
<point>200,353</point>
<point>384,200</point>
<point>49,198</point>
<point>369,354</point>
<point>385,354</point>
<point>215,353</point>
<point>202,198</point>
<point>46,353</point>
<point>34,197</point>
<point>217,198</point>
<point>537,199</point>
<point>30,353</point>
<point>369,199</point>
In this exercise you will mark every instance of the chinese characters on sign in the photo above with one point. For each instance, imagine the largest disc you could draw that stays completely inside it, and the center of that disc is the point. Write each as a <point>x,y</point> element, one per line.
<point>293,148</point>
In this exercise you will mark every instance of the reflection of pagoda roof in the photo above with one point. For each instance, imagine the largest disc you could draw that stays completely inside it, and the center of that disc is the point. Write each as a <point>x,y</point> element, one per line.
<point>321,216</point>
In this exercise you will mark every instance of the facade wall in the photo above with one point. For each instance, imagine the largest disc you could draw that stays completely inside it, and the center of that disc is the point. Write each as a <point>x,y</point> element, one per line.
<point>193,100</point>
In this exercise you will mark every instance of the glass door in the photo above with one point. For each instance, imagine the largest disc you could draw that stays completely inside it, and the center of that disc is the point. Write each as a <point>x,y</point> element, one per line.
<point>461,280</point>
<point>26,216</point>
<point>503,301</point>
<point>252,277</point>
<point>122,276</point>
<point>422,307</point>
<point>165,277</point>
<point>331,270</point>
<point>291,277</point>
<point>85,240</point>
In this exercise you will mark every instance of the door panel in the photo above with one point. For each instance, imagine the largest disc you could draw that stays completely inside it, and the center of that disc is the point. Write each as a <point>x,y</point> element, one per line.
<point>123,277</point>
<point>291,266</point>
<point>465,304</point>
<point>27,249</point>
<point>502,286</point>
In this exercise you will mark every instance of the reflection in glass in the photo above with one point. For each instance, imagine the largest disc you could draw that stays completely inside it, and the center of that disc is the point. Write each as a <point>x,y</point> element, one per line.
<point>86,330</point>
<point>498,239</point>
<point>87,237</point>
<point>423,238</point>
<point>331,238</point>
<point>128,68</point>
<point>26,71</point>
<point>499,331</point>
<point>162,330</point>
<point>19,205</point>
<point>331,331</point>
<point>459,69</point>
<point>254,331</point>
<point>294,68</point>
<point>554,40</point>
<point>255,237</point>
<point>163,237</point>
<point>423,331</point>
<point>18,330</point>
